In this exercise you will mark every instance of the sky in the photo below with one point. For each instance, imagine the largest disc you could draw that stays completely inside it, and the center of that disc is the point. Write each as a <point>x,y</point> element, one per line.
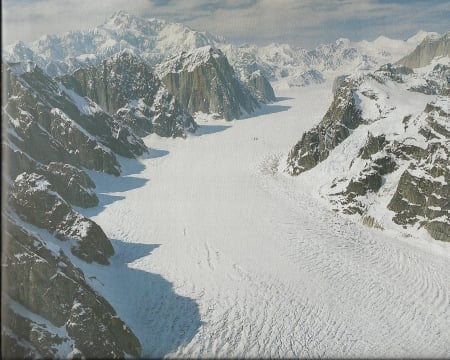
<point>306,23</point>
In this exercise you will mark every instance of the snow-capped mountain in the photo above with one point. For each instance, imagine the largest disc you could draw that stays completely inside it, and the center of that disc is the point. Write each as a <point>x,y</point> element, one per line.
<point>203,81</point>
<point>152,39</point>
<point>295,65</point>
<point>76,107</point>
<point>157,40</point>
<point>383,148</point>
<point>431,47</point>
<point>125,86</point>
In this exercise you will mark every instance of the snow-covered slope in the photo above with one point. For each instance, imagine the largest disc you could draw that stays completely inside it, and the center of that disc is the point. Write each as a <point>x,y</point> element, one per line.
<point>282,61</point>
<point>156,40</point>
<point>382,149</point>
<point>260,266</point>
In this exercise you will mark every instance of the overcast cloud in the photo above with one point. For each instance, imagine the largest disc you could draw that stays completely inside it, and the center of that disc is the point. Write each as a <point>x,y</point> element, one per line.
<point>299,22</point>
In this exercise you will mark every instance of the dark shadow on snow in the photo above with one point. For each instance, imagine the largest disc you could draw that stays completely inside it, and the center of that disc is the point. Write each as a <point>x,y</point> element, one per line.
<point>107,184</point>
<point>266,109</point>
<point>134,166</point>
<point>283,98</point>
<point>160,318</point>
<point>154,153</point>
<point>127,252</point>
<point>210,129</point>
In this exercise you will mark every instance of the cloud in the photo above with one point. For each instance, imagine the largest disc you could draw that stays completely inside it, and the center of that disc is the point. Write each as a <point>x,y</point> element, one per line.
<point>302,22</point>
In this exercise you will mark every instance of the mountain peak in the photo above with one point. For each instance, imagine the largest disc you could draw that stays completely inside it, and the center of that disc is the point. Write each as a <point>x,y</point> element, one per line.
<point>189,60</point>
<point>420,36</point>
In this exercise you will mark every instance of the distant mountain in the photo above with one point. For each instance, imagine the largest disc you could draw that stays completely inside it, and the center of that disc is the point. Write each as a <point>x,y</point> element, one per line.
<point>382,148</point>
<point>203,80</point>
<point>157,40</point>
<point>432,46</point>
<point>125,86</point>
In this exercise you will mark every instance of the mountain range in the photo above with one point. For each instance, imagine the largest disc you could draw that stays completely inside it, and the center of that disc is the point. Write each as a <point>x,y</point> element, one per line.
<point>156,40</point>
<point>78,103</point>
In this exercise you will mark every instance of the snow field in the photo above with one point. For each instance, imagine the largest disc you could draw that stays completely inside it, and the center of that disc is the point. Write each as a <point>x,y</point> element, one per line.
<point>220,253</point>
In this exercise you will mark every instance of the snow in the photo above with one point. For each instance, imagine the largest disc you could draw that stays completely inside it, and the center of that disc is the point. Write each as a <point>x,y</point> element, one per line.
<point>187,61</point>
<point>156,40</point>
<point>84,104</point>
<point>62,349</point>
<point>219,253</point>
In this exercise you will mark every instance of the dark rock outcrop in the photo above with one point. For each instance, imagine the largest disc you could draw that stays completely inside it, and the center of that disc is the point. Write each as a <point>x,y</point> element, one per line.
<point>68,314</point>
<point>125,86</point>
<point>203,80</point>
<point>316,144</point>
<point>409,153</point>
<point>73,184</point>
<point>260,87</point>
<point>434,82</point>
<point>423,191</point>
<point>54,124</point>
<point>36,202</point>
<point>48,309</point>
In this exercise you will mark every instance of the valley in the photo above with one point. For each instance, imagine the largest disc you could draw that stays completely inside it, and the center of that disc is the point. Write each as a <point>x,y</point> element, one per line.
<point>168,193</point>
<point>273,270</point>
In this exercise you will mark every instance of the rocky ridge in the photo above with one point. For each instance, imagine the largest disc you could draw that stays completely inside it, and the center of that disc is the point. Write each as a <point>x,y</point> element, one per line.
<point>51,134</point>
<point>55,124</point>
<point>202,80</point>
<point>62,322</point>
<point>125,86</point>
<point>383,149</point>
<point>156,40</point>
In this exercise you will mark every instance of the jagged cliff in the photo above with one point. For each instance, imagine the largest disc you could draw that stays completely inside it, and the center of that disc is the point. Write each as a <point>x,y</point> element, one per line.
<point>203,80</point>
<point>125,86</point>
<point>431,47</point>
<point>48,308</point>
<point>316,144</point>
<point>260,87</point>
<point>383,148</point>
<point>55,124</point>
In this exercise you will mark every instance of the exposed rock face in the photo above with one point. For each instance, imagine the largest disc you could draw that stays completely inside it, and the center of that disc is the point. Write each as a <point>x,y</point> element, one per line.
<point>423,192</point>
<point>54,124</point>
<point>316,144</point>
<point>203,80</point>
<point>260,87</point>
<point>126,87</point>
<point>73,184</point>
<point>33,197</point>
<point>435,81</point>
<point>49,310</point>
<point>430,48</point>
<point>384,151</point>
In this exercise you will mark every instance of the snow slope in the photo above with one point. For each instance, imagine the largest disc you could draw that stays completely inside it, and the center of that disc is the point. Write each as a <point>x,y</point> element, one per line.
<point>258,265</point>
